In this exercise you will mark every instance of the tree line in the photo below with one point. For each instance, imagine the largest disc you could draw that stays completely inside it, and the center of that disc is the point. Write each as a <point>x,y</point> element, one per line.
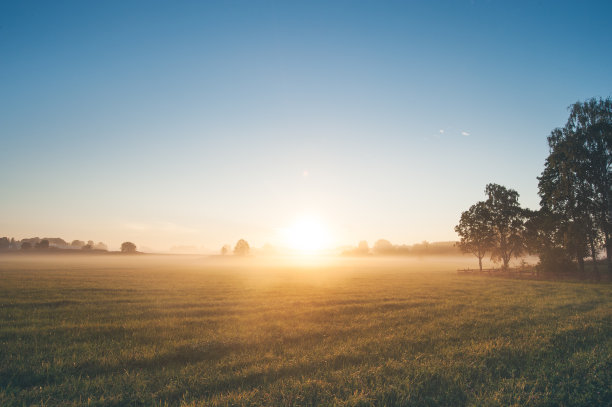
<point>58,244</point>
<point>574,221</point>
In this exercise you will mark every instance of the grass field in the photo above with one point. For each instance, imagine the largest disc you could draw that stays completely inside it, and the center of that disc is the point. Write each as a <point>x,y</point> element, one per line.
<point>155,330</point>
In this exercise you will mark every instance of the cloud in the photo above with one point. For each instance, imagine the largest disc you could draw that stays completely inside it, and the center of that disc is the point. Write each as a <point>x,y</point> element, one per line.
<point>441,131</point>
<point>465,133</point>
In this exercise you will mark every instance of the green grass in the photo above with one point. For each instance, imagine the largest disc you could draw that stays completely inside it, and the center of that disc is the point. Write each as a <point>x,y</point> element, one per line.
<point>189,331</point>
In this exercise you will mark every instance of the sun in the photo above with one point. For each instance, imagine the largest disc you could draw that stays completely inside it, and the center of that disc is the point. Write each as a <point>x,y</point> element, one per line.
<point>307,235</point>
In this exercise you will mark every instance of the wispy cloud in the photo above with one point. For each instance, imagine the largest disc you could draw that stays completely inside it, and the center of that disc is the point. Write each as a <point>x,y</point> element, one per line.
<point>465,133</point>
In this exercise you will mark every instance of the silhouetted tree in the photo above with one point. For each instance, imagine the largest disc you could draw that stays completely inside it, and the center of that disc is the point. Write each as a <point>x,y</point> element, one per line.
<point>42,245</point>
<point>476,232</point>
<point>128,247</point>
<point>362,248</point>
<point>506,220</point>
<point>226,249</point>
<point>576,184</point>
<point>26,246</point>
<point>77,243</point>
<point>100,246</point>
<point>4,243</point>
<point>242,248</point>
<point>383,246</point>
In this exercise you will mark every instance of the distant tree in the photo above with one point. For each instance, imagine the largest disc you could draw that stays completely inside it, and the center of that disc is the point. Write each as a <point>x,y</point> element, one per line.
<point>507,223</point>
<point>475,231</point>
<point>13,243</point>
<point>5,243</point>
<point>226,249</point>
<point>128,247</point>
<point>100,246</point>
<point>42,245</point>
<point>383,246</point>
<point>77,243</point>
<point>242,248</point>
<point>87,247</point>
<point>26,246</point>
<point>362,248</point>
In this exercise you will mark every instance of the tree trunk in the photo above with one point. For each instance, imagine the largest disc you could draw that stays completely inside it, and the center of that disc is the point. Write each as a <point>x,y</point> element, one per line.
<point>580,262</point>
<point>609,252</point>
<point>480,263</point>
<point>594,255</point>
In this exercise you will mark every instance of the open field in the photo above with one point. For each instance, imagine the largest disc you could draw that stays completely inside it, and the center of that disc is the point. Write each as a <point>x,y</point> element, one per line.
<point>156,330</point>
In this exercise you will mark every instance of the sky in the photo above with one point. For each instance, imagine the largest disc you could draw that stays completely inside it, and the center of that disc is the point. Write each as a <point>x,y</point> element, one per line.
<point>200,123</point>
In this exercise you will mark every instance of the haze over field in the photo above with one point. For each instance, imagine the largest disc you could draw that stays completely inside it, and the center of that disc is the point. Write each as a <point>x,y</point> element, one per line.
<point>302,124</point>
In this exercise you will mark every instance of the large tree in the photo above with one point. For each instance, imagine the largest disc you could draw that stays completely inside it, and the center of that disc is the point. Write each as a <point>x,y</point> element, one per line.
<point>474,230</point>
<point>576,183</point>
<point>507,223</point>
<point>128,247</point>
<point>242,248</point>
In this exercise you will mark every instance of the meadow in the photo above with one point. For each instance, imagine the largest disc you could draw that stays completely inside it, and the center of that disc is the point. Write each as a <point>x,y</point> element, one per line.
<point>194,331</point>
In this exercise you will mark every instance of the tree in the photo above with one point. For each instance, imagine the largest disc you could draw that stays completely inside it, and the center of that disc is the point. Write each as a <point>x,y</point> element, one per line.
<point>576,183</point>
<point>383,246</point>
<point>242,248</point>
<point>226,249</point>
<point>5,243</point>
<point>475,231</point>
<point>100,246</point>
<point>42,245</point>
<point>128,247</point>
<point>362,248</point>
<point>26,246</point>
<point>77,243</point>
<point>506,220</point>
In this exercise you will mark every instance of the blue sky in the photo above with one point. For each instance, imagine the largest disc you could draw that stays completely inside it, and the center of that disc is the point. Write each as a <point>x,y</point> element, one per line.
<point>198,123</point>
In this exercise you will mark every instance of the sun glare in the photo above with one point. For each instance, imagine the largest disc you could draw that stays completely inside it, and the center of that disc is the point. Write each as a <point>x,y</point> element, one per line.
<point>307,235</point>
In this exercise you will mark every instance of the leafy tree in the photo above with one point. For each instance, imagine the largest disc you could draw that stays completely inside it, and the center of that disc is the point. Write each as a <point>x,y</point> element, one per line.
<point>128,247</point>
<point>100,246</point>
<point>362,248</point>
<point>242,248</point>
<point>43,244</point>
<point>226,249</point>
<point>26,246</point>
<point>506,220</point>
<point>77,243</point>
<point>575,186</point>
<point>543,236</point>
<point>4,243</point>
<point>383,246</point>
<point>475,231</point>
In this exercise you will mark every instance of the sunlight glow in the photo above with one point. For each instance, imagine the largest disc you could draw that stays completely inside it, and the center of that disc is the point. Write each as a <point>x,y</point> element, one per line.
<point>307,235</point>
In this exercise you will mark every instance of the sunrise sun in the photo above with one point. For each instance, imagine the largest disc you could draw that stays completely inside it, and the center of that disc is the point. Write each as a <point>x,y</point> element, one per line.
<point>307,235</point>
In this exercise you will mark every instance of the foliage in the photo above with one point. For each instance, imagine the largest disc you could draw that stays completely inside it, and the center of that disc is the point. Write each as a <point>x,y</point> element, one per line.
<point>242,248</point>
<point>507,220</point>
<point>475,231</point>
<point>575,186</point>
<point>383,246</point>
<point>128,247</point>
